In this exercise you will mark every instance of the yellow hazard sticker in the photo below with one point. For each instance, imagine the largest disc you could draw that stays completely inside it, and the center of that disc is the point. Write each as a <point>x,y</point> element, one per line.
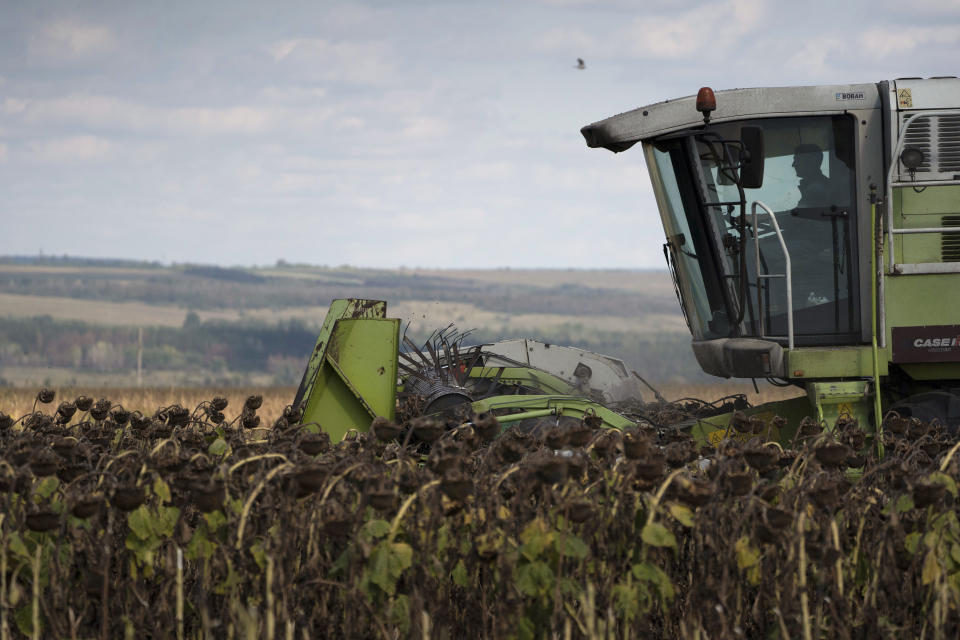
<point>904,98</point>
<point>844,408</point>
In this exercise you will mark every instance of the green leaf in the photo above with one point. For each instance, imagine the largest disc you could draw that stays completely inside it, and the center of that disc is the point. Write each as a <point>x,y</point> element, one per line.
<point>47,486</point>
<point>200,546</point>
<point>652,573</point>
<point>232,580</point>
<point>570,587</point>
<point>536,536</point>
<point>236,505</point>
<point>215,519</point>
<point>374,529</point>
<point>526,630</point>
<point>139,521</point>
<point>939,477</point>
<point>166,521</point>
<point>534,578</point>
<point>443,539</point>
<point>401,557</point>
<point>161,490</point>
<point>141,546</point>
<point>626,600</point>
<point>387,562</point>
<point>379,567</point>
<point>747,554</point>
<point>931,568</point>
<point>955,553</point>
<point>399,614</point>
<point>459,575</point>
<point>681,513</point>
<point>18,546</point>
<point>912,541</point>
<point>574,547</point>
<point>24,619</point>
<point>342,562</point>
<point>657,535</point>
<point>904,503</point>
<point>218,447</point>
<point>260,556</point>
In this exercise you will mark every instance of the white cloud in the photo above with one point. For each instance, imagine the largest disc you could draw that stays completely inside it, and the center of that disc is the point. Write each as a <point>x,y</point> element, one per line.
<point>350,122</point>
<point>615,176</point>
<point>687,34</point>
<point>14,105</point>
<point>113,113</point>
<point>70,149</point>
<point>894,41</point>
<point>424,127</point>
<point>926,7</point>
<point>294,94</point>
<point>68,39</point>
<point>363,62</point>
<point>811,58</point>
<point>663,32</point>
<point>281,49</point>
<point>489,171</point>
<point>565,39</point>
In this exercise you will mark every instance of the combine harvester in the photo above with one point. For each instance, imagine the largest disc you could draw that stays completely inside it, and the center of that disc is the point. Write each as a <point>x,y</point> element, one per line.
<point>813,234</point>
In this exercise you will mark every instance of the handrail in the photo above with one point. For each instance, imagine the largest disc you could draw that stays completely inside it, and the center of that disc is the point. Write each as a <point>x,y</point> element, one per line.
<point>894,160</point>
<point>787,274</point>
<point>929,230</point>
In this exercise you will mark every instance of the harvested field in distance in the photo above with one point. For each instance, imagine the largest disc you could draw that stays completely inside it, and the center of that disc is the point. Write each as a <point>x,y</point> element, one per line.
<point>423,315</point>
<point>132,314</point>
<point>646,281</point>
<point>72,321</point>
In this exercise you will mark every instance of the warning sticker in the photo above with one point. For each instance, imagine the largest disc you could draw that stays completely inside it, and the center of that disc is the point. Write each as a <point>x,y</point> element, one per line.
<point>904,98</point>
<point>844,408</point>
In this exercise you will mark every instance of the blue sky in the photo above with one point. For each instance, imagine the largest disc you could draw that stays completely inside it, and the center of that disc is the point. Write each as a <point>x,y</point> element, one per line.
<point>386,134</point>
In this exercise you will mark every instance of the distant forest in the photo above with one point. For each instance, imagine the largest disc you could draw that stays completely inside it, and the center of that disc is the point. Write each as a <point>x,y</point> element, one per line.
<point>280,350</point>
<point>203,287</point>
<point>219,351</point>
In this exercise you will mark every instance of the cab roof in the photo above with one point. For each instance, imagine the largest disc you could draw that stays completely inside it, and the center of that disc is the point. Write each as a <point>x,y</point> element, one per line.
<point>620,132</point>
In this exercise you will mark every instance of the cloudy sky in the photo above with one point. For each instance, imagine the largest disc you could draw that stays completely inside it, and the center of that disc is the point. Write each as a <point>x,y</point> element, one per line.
<point>387,134</point>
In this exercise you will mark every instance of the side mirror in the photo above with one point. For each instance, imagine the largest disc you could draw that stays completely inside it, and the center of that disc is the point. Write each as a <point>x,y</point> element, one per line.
<point>751,170</point>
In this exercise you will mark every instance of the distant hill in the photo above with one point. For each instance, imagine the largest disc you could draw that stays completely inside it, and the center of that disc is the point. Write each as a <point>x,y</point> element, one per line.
<point>631,314</point>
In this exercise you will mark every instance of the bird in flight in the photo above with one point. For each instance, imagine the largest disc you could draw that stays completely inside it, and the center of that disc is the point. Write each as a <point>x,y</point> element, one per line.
<point>580,64</point>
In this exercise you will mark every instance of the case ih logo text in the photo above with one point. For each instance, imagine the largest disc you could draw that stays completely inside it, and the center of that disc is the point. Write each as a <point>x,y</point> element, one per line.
<point>936,343</point>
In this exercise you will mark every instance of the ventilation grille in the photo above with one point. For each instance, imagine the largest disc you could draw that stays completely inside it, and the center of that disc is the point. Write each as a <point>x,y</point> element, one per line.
<point>950,244</point>
<point>938,137</point>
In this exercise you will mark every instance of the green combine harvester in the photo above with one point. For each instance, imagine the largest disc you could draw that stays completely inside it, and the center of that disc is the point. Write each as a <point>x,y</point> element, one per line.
<point>813,234</point>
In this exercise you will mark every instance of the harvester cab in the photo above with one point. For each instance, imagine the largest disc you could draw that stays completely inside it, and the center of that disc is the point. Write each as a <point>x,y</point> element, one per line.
<point>813,234</point>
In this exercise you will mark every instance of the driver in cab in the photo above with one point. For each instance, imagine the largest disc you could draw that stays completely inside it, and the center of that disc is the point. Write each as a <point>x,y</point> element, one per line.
<point>820,200</point>
<point>815,188</point>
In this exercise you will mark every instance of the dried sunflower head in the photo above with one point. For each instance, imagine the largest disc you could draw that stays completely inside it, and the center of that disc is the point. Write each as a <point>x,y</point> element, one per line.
<point>100,409</point>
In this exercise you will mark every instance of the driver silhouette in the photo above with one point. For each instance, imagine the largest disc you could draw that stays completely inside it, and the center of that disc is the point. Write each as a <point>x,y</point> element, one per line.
<point>814,186</point>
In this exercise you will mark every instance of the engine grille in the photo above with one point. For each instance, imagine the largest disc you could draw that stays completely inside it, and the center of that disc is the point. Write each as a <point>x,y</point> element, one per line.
<point>950,244</point>
<point>938,137</point>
